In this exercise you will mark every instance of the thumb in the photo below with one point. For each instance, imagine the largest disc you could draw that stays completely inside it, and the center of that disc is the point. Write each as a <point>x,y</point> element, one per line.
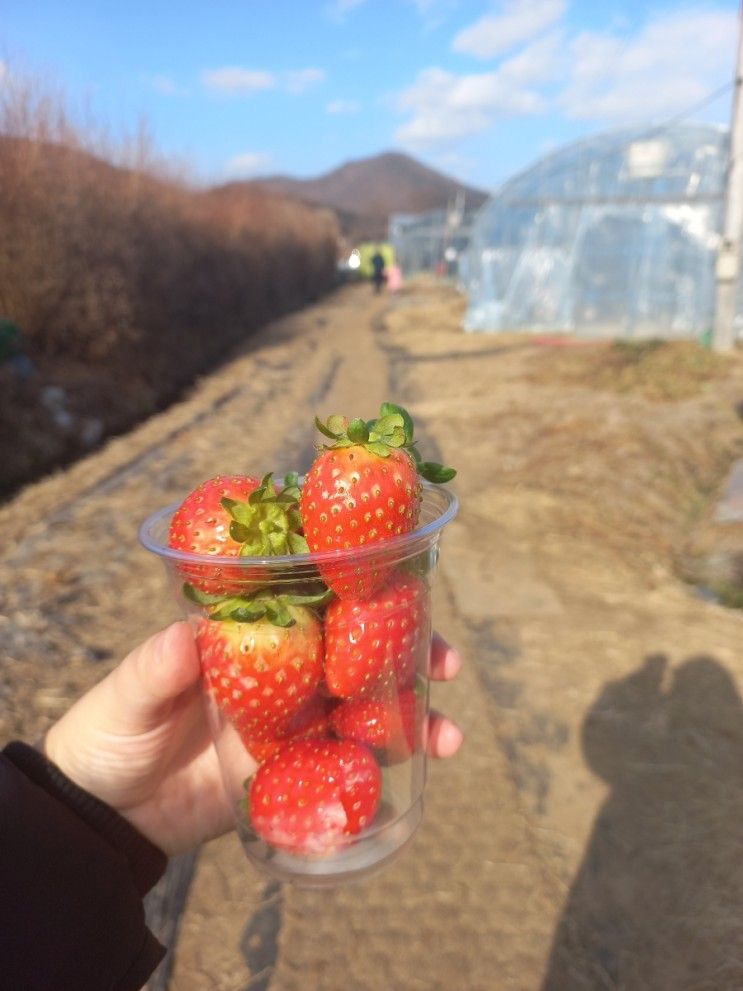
<point>135,698</point>
<point>144,687</point>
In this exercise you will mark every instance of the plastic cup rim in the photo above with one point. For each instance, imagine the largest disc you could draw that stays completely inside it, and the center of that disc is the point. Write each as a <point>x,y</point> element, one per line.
<point>393,547</point>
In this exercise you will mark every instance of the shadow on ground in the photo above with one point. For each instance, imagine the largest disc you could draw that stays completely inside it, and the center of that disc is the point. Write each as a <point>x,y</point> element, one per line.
<point>657,903</point>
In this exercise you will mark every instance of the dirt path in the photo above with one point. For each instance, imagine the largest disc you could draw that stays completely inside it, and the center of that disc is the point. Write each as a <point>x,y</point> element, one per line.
<point>587,836</point>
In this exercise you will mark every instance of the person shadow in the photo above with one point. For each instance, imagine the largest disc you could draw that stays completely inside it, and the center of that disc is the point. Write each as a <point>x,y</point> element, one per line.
<point>657,903</point>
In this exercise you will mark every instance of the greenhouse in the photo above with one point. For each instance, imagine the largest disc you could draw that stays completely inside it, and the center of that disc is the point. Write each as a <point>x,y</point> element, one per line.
<point>423,241</point>
<point>614,236</point>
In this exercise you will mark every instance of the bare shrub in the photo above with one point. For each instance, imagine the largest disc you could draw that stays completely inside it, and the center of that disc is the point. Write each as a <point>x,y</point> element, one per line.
<point>128,269</point>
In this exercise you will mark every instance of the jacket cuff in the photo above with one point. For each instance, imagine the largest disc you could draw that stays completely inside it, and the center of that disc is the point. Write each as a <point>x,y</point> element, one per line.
<point>146,861</point>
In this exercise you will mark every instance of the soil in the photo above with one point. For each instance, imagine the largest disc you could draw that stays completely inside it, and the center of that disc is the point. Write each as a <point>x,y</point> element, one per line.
<point>588,834</point>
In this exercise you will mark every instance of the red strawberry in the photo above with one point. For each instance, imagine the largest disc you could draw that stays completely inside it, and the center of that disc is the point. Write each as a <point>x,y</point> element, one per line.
<point>235,516</point>
<point>370,641</point>
<point>385,721</point>
<point>314,795</point>
<point>259,673</point>
<point>361,490</point>
<point>263,740</point>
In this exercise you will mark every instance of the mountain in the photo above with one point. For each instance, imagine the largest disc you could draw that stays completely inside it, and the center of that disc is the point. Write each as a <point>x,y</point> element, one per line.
<point>364,193</point>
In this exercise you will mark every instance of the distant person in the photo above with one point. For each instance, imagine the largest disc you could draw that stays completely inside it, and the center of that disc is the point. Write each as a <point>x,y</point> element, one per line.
<point>378,273</point>
<point>12,354</point>
<point>394,278</point>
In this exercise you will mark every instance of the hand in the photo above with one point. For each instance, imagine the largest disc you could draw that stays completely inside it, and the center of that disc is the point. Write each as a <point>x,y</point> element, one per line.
<point>139,741</point>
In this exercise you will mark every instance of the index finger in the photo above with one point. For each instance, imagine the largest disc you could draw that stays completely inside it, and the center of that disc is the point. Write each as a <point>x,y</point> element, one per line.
<point>445,660</point>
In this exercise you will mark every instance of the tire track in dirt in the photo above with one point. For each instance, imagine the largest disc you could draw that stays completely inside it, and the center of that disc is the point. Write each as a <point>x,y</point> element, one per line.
<point>549,603</point>
<point>353,377</point>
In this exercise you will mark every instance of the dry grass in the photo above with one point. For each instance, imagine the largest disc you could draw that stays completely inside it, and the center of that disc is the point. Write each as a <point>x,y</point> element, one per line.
<point>654,369</point>
<point>620,446</point>
<point>128,284</point>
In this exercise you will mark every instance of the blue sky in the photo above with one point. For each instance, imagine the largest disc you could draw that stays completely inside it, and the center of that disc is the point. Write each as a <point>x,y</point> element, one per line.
<point>479,90</point>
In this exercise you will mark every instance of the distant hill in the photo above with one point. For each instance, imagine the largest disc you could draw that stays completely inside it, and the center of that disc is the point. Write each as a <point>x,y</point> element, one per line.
<point>364,193</point>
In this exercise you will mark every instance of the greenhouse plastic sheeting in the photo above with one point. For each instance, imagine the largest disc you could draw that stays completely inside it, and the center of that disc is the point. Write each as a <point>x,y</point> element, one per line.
<point>613,236</point>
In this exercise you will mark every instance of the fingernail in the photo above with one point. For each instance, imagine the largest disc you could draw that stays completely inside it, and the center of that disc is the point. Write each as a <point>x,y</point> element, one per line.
<point>450,738</point>
<point>453,662</point>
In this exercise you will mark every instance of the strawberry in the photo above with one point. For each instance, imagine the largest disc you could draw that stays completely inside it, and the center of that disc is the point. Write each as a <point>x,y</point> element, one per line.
<point>361,490</point>
<point>314,795</point>
<point>374,640</point>
<point>385,721</point>
<point>263,740</point>
<point>232,516</point>
<point>260,674</point>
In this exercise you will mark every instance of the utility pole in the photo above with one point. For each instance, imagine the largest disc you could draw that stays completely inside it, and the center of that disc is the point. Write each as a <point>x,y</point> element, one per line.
<point>728,257</point>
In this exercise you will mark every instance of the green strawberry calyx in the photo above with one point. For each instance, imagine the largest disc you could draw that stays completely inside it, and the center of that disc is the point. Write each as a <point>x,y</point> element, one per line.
<point>269,522</point>
<point>262,604</point>
<point>392,430</point>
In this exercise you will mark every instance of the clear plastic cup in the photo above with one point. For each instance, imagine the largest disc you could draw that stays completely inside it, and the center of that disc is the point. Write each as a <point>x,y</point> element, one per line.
<point>348,754</point>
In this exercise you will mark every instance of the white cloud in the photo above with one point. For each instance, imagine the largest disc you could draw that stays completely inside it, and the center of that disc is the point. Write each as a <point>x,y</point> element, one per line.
<point>298,80</point>
<point>4,71</point>
<point>338,9</point>
<point>433,12</point>
<point>239,81</point>
<point>164,84</point>
<point>446,107</point>
<point>541,61</point>
<point>342,107</point>
<point>518,21</point>
<point>248,163</point>
<point>654,70</point>
<point>675,60</point>
<point>234,79</point>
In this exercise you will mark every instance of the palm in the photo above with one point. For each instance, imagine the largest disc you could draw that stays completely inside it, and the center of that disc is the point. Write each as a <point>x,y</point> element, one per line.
<point>169,784</point>
<point>140,742</point>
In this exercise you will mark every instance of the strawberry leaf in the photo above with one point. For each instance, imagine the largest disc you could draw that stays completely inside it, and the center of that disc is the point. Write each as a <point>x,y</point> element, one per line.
<point>201,598</point>
<point>388,409</point>
<point>325,431</point>
<point>434,472</point>
<point>276,542</point>
<point>376,447</point>
<point>256,546</point>
<point>387,424</point>
<point>392,430</point>
<point>239,532</point>
<point>389,430</point>
<point>297,544</point>
<point>240,512</point>
<point>240,610</point>
<point>286,497</point>
<point>319,599</point>
<point>357,431</point>
<point>336,424</point>
<point>278,614</point>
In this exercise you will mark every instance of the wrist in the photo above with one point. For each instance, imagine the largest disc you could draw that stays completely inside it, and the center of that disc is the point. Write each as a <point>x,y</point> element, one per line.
<point>146,860</point>
<point>48,746</point>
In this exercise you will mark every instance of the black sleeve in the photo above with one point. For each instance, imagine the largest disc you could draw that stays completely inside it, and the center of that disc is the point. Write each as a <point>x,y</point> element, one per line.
<point>73,874</point>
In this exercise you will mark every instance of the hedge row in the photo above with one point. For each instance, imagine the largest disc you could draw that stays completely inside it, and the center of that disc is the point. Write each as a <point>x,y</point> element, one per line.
<point>126,287</point>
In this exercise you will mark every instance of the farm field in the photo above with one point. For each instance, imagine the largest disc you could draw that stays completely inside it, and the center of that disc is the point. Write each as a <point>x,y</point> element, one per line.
<point>588,834</point>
